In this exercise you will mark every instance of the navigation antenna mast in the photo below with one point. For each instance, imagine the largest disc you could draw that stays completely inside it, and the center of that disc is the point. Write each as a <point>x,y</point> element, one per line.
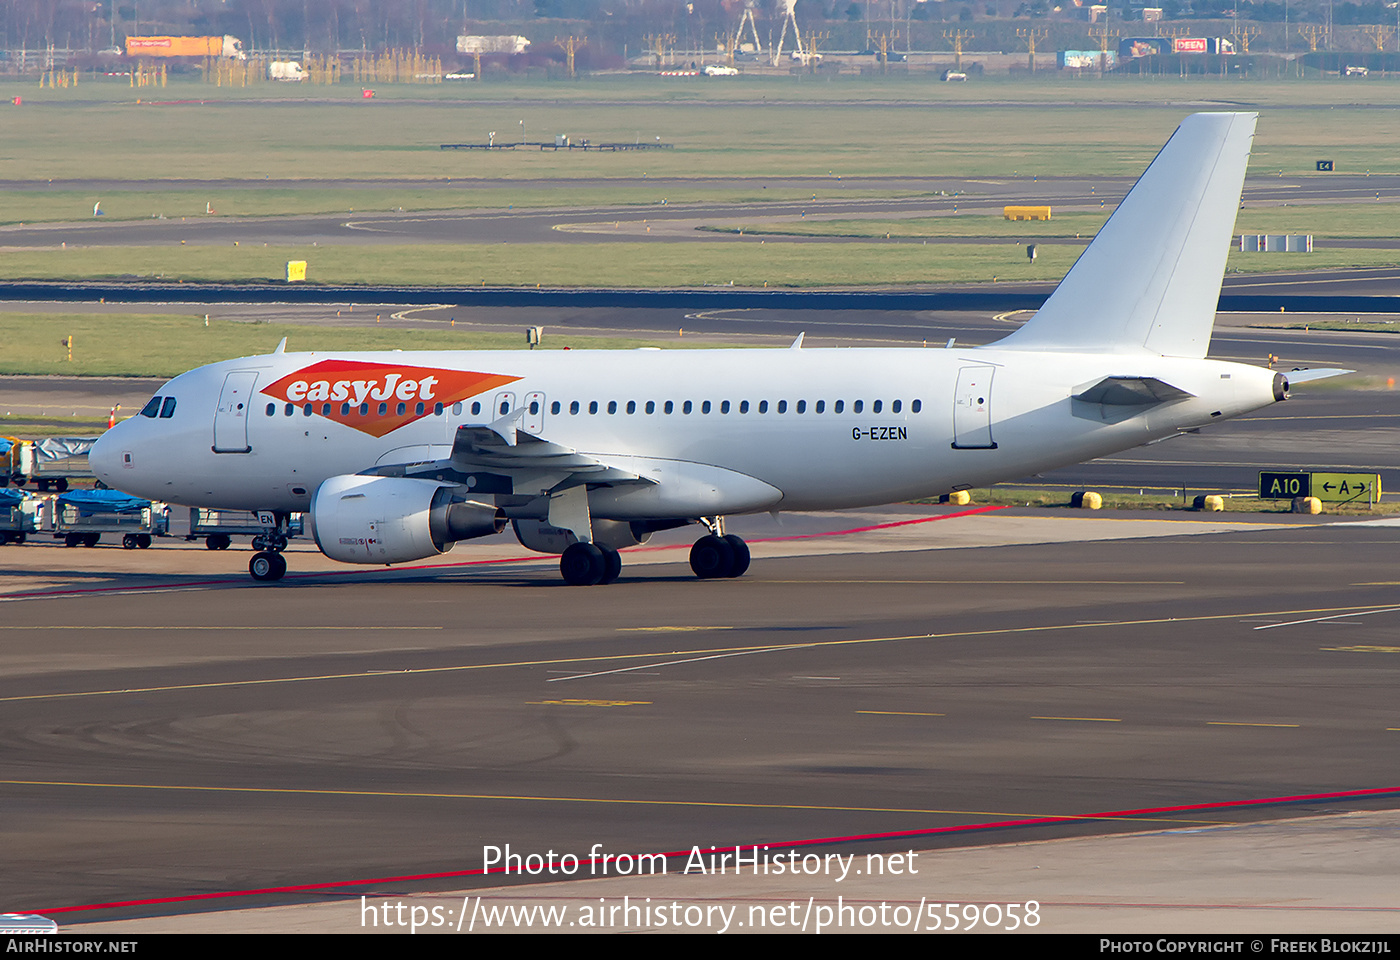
<point>790,18</point>
<point>958,36</point>
<point>1031,36</point>
<point>747,18</point>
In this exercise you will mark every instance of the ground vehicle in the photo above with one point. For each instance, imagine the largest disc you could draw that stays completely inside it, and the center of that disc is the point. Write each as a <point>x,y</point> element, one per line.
<point>20,515</point>
<point>80,517</point>
<point>230,48</point>
<point>51,462</point>
<point>288,70</point>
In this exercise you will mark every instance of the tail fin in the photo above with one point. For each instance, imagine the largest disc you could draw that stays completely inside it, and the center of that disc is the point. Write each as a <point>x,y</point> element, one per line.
<point>1150,281</point>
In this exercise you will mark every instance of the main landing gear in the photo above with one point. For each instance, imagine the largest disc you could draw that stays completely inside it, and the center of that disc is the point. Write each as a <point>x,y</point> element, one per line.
<point>713,556</point>
<point>586,564</point>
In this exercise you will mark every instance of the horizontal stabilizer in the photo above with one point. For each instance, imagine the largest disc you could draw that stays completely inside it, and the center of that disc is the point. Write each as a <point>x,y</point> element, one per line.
<point>1150,280</point>
<point>1307,376</point>
<point>1131,392</point>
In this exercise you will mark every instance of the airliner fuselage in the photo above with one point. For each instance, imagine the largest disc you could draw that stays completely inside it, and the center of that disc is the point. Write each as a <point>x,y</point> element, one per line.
<point>397,456</point>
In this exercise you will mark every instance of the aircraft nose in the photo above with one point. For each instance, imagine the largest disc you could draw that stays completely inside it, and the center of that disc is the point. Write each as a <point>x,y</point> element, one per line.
<point>105,458</point>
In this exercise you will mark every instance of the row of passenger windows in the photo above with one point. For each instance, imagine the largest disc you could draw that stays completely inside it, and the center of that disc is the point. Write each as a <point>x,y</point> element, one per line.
<point>576,407</point>
<point>164,407</point>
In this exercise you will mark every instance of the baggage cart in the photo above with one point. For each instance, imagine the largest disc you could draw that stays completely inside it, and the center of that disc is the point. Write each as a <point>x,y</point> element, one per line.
<point>54,461</point>
<point>80,517</point>
<point>20,515</point>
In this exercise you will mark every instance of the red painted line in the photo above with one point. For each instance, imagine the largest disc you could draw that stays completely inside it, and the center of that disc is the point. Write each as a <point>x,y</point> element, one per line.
<point>749,848</point>
<point>884,526</point>
<point>353,571</point>
<point>837,533</point>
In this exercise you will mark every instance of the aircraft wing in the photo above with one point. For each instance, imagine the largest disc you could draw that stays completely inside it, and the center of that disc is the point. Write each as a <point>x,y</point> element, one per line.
<point>498,458</point>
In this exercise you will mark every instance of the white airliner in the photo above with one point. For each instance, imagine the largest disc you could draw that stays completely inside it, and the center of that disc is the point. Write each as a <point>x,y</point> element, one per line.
<point>396,456</point>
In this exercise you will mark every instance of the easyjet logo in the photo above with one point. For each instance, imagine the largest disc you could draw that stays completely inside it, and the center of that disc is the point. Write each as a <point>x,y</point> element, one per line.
<point>378,398</point>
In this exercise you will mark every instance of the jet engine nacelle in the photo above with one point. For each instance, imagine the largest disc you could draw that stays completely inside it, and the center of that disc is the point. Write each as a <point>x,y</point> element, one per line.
<point>365,519</point>
<point>540,537</point>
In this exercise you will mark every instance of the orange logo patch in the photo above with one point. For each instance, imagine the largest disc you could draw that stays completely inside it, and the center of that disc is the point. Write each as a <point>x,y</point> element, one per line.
<point>340,389</point>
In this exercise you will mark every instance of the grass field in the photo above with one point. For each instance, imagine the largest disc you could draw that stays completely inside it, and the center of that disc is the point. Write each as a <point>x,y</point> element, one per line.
<point>251,200</point>
<point>1358,325</point>
<point>635,265</point>
<point>178,151</point>
<point>757,127</point>
<point>162,345</point>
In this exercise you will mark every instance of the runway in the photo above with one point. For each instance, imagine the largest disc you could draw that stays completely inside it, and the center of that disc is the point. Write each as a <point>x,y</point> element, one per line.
<point>174,731</point>
<point>671,222</point>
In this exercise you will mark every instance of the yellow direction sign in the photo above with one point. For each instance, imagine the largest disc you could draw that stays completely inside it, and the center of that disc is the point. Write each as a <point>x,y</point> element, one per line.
<point>1347,487</point>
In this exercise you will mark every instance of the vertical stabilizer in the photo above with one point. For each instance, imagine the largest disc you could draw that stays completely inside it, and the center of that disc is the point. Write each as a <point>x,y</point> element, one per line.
<point>1150,281</point>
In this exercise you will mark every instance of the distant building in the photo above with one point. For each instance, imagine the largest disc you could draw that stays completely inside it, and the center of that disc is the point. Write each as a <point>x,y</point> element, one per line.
<point>1150,14</point>
<point>471,43</point>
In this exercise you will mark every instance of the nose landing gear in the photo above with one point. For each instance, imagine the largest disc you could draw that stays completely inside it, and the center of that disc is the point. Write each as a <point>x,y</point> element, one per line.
<point>268,565</point>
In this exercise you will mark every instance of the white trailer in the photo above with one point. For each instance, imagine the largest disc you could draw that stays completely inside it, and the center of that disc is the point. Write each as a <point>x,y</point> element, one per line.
<point>80,517</point>
<point>20,515</point>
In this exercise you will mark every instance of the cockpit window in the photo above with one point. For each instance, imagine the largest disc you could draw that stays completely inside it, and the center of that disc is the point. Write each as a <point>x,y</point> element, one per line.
<point>167,409</point>
<point>151,408</point>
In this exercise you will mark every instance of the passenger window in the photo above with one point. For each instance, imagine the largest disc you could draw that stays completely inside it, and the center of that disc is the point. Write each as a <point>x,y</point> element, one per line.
<point>821,406</point>
<point>457,408</point>
<point>916,406</point>
<point>151,408</point>
<point>875,407</point>
<point>364,409</point>
<point>838,406</point>
<point>631,406</point>
<point>724,407</point>
<point>345,409</point>
<point>593,406</point>
<point>858,406</point>
<point>476,408</point>
<point>419,409</point>
<point>271,409</point>
<point>686,407</point>
<point>167,409</point>
<point>894,407</point>
<point>802,406</point>
<point>383,409</point>
<point>289,409</point>
<point>534,408</point>
<point>705,407</point>
<point>782,406</point>
<point>437,409</point>
<point>651,406</point>
<point>670,405</point>
<point>554,407</point>
<point>573,407</point>
<point>401,409</point>
<point>743,406</point>
<point>325,409</point>
<point>763,406</point>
